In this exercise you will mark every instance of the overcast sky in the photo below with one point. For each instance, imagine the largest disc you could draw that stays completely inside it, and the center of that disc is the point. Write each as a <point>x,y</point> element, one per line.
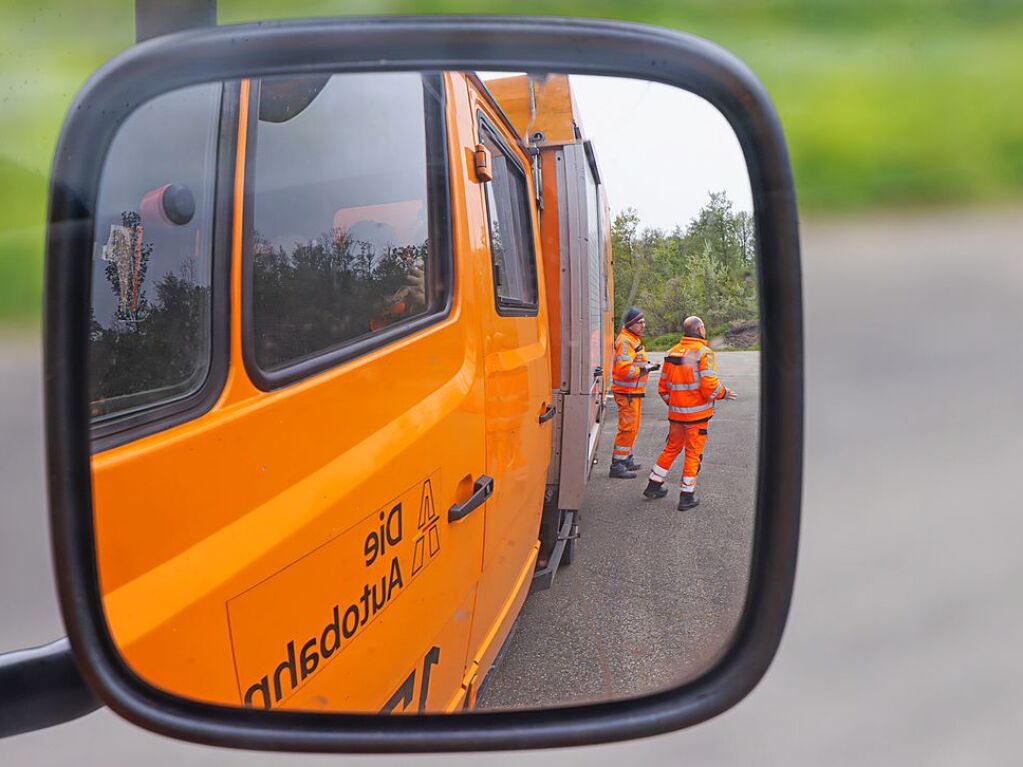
<point>661,150</point>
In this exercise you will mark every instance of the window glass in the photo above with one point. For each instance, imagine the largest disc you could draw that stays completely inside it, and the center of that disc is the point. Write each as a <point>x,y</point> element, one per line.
<point>341,245</point>
<point>595,267</point>
<point>511,243</point>
<point>150,323</point>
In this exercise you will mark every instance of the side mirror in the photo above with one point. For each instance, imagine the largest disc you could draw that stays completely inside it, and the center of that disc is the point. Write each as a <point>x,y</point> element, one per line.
<point>304,474</point>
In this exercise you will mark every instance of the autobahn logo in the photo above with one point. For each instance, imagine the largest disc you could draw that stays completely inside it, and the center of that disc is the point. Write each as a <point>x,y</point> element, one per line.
<point>428,540</point>
<point>289,627</point>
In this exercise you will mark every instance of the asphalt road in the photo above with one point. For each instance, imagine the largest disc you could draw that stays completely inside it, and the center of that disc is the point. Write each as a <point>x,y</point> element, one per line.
<point>903,645</point>
<point>654,594</point>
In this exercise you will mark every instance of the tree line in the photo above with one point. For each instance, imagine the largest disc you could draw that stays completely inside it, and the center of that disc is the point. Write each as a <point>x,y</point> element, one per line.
<point>307,298</point>
<point>323,292</point>
<point>707,268</point>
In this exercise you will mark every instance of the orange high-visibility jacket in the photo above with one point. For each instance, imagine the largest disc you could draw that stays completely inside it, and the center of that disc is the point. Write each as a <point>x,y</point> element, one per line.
<point>627,377</point>
<point>689,381</point>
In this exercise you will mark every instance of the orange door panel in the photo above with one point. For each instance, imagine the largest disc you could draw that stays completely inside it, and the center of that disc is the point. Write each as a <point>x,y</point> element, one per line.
<point>291,548</point>
<point>517,364</point>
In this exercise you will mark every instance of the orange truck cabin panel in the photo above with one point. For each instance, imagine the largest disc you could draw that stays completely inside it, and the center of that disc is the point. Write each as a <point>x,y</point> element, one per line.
<point>293,542</point>
<point>539,105</point>
<point>575,232</point>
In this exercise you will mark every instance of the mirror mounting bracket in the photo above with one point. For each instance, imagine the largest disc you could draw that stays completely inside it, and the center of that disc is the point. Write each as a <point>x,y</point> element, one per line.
<point>41,687</point>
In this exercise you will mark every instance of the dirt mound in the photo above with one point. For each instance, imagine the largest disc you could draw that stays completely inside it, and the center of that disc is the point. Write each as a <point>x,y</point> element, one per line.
<point>742,335</point>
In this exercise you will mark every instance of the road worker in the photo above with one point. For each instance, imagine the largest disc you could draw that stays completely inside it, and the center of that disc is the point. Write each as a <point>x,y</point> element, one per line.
<point>690,387</point>
<point>628,385</point>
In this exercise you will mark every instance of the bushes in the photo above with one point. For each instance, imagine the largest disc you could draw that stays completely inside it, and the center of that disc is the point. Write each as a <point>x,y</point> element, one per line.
<point>661,343</point>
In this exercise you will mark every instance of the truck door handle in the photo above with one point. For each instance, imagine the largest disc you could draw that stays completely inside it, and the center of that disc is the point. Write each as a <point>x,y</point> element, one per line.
<point>482,489</point>
<point>548,414</point>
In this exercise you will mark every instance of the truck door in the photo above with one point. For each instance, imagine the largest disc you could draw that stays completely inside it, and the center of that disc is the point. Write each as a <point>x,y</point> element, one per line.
<point>518,389</point>
<point>283,541</point>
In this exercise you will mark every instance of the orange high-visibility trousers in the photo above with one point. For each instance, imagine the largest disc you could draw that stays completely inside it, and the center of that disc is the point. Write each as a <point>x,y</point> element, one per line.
<point>688,437</point>
<point>629,414</point>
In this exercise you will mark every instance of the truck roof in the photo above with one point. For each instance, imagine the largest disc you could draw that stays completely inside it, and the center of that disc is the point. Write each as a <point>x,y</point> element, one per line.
<point>533,104</point>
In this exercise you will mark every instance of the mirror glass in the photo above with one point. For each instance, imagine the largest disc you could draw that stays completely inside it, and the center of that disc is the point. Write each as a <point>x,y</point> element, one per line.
<point>423,391</point>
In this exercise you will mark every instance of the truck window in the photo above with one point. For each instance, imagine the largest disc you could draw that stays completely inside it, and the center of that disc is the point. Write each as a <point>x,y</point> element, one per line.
<point>511,236</point>
<point>340,243</point>
<point>595,256</point>
<point>150,327</point>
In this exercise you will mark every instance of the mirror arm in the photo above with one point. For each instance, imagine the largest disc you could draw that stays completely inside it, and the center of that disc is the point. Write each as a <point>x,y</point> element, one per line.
<point>158,17</point>
<point>41,687</point>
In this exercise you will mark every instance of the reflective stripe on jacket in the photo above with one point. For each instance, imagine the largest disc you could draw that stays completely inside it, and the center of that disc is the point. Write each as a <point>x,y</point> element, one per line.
<point>626,375</point>
<point>689,381</point>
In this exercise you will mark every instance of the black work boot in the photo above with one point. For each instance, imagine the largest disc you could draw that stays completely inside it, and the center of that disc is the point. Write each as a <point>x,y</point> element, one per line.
<point>688,501</point>
<point>631,465</point>
<point>655,489</point>
<point>620,471</point>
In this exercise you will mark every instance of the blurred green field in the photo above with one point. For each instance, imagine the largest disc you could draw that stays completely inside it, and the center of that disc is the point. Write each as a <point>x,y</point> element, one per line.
<point>885,104</point>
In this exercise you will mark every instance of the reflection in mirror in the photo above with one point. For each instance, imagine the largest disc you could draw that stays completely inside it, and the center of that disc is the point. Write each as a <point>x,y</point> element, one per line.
<point>423,392</point>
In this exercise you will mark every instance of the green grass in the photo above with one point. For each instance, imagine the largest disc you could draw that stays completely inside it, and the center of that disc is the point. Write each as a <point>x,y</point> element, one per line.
<point>902,103</point>
<point>754,348</point>
<point>21,242</point>
<point>21,275</point>
<point>902,117</point>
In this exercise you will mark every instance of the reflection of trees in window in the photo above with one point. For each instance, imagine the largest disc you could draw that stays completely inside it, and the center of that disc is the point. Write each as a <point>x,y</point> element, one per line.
<point>497,251</point>
<point>323,292</point>
<point>153,350</point>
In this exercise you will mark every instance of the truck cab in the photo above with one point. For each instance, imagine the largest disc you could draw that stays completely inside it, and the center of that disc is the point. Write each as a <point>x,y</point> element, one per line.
<point>346,374</point>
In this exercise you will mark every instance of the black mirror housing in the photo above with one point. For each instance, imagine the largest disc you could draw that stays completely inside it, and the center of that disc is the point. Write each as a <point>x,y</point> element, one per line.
<point>392,44</point>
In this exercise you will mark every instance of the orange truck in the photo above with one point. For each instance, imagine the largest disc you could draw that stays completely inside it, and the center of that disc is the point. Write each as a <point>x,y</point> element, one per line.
<point>346,368</point>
